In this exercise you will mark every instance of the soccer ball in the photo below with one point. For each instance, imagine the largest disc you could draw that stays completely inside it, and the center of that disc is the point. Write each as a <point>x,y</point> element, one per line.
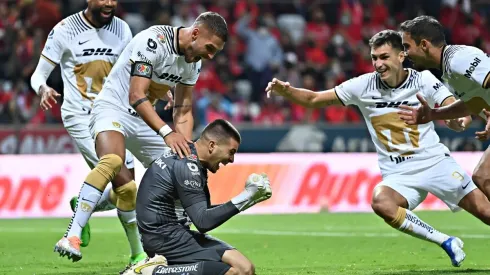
<point>146,266</point>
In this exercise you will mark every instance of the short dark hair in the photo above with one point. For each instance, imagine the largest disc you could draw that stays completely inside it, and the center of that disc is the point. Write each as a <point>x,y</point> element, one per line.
<point>425,27</point>
<point>215,23</point>
<point>220,130</point>
<point>389,37</point>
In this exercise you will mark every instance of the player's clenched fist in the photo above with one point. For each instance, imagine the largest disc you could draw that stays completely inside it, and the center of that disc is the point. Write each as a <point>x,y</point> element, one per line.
<point>277,86</point>
<point>47,94</point>
<point>263,185</point>
<point>178,143</point>
<point>257,189</point>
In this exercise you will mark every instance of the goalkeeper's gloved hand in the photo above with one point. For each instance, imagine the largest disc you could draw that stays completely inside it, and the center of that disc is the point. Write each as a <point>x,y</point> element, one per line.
<point>257,189</point>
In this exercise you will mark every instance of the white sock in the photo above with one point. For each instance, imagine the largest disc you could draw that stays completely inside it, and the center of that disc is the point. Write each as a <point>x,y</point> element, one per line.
<point>128,221</point>
<point>414,226</point>
<point>105,203</point>
<point>87,199</point>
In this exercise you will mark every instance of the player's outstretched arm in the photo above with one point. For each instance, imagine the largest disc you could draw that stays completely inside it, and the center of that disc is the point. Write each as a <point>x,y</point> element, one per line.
<point>454,110</point>
<point>303,97</point>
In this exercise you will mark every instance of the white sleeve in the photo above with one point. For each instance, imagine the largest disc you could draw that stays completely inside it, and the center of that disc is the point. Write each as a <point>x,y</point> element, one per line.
<point>41,74</point>
<point>192,75</point>
<point>433,90</point>
<point>473,64</point>
<point>146,54</point>
<point>55,44</point>
<point>128,35</point>
<point>348,91</point>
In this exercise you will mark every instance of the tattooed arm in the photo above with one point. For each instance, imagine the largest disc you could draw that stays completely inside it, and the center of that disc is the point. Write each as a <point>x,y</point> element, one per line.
<point>182,115</point>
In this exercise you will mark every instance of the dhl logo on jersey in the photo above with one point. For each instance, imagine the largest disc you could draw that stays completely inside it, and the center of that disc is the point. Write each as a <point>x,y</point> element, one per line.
<point>98,51</point>
<point>394,104</point>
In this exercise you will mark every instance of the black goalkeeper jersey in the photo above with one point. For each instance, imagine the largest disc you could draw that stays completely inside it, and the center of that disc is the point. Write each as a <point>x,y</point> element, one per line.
<point>175,191</point>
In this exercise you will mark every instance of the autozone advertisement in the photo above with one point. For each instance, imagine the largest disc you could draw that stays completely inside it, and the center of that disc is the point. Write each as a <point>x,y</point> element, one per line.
<point>41,185</point>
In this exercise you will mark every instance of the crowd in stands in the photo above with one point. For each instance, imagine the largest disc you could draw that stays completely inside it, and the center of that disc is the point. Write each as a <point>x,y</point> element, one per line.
<point>312,44</point>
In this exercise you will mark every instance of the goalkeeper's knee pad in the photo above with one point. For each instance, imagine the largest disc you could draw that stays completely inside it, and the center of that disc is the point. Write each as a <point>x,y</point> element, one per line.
<point>126,196</point>
<point>105,171</point>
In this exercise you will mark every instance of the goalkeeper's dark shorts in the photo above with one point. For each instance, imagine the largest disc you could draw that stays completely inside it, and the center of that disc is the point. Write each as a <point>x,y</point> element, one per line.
<point>182,246</point>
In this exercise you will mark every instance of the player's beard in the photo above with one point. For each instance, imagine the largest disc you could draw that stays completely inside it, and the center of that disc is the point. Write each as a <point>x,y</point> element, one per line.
<point>410,63</point>
<point>102,20</point>
<point>215,168</point>
<point>189,55</point>
<point>192,59</point>
<point>210,167</point>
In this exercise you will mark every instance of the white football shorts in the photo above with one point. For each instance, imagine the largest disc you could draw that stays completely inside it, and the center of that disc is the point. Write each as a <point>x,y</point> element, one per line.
<point>145,144</point>
<point>446,180</point>
<point>78,128</point>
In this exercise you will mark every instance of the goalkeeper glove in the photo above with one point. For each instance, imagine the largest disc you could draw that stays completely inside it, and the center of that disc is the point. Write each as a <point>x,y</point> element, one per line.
<point>257,189</point>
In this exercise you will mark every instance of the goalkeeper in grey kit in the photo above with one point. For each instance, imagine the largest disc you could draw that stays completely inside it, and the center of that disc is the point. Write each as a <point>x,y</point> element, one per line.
<point>173,194</point>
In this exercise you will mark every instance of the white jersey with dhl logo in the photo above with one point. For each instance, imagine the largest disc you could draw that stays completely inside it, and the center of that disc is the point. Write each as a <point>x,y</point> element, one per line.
<point>153,53</point>
<point>401,148</point>
<point>466,70</point>
<point>86,56</point>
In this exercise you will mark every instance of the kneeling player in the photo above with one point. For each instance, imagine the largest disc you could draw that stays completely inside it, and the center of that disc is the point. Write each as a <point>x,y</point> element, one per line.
<point>174,193</point>
<point>412,160</point>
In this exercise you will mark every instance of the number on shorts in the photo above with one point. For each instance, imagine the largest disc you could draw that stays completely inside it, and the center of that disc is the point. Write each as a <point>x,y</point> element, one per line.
<point>91,76</point>
<point>457,175</point>
<point>395,134</point>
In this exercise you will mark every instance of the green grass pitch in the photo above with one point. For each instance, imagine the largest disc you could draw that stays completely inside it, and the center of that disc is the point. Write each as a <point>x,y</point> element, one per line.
<point>277,244</point>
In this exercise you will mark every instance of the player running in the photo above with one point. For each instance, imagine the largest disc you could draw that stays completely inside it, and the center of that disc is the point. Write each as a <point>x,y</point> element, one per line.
<point>412,161</point>
<point>465,69</point>
<point>86,45</point>
<point>174,194</point>
<point>157,59</point>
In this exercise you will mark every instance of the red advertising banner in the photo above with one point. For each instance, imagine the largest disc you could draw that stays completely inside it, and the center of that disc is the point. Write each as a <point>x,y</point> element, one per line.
<point>42,185</point>
<point>334,182</point>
